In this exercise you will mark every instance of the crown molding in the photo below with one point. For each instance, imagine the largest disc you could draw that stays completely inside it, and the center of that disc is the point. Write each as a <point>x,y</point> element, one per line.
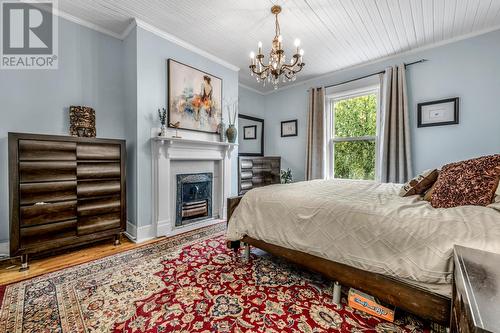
<point>389,57</point>
<point>251,89</point>
<point>184,44</point>
<point>85,23</point>
<point>148,27</point>
<point>128,29</point>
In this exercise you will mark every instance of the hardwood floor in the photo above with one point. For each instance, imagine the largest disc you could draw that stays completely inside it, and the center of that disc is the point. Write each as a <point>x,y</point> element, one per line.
<point>9,269</point>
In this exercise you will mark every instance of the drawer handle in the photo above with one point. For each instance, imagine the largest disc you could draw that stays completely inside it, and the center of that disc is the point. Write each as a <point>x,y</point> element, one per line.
<point>41,203</point>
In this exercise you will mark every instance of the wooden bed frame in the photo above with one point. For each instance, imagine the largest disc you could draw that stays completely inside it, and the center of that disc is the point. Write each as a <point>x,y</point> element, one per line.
<point>413,299</point>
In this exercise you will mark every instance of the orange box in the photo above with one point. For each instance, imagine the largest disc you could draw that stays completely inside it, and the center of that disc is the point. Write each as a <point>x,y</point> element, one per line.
<point>366,303</point>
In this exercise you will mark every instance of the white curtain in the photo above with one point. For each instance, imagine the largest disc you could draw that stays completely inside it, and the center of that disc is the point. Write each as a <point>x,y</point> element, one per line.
<point>315,149</point>
<point>395,165</point>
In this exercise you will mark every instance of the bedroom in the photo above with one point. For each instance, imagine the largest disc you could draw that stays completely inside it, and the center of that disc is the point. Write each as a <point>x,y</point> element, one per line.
<point>130,132</point>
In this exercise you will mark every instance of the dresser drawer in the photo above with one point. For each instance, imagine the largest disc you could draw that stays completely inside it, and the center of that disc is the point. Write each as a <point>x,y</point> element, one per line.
<point>31,193</point>
<point>47,171</point>
<point>56,230</point>
<point>99,206</point>
<point>89,189</point>
<point>47,213</point>
<point>98,170</point>
<point>92,224</point>
<point>246,185</point>
<point>37,150</point>
<point>246,174</point>
<point>246,164</point>
<point>101,151</point>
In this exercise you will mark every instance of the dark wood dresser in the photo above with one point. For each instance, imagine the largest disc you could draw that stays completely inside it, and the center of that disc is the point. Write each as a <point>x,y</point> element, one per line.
<point>256,171</point>
<point>64,191</point>
<point>476,291</point>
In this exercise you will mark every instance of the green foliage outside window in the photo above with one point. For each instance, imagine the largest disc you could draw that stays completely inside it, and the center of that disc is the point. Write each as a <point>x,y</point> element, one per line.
<point>355,117</point>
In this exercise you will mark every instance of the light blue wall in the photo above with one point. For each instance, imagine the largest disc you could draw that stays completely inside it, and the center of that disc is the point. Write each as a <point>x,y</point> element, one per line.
<point>152,54</point>
<point>130,116</point>
<point>37,101</point>
<point>469,69</point>
<point>251,103</point>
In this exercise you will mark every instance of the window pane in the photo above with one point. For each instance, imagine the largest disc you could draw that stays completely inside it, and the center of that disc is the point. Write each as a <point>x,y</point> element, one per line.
<point>354,160</point>
<point>355,117</point>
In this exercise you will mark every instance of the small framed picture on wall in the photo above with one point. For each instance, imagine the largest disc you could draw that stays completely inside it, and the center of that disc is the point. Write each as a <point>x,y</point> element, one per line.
<point>250,132</point>
<point>289,128</point>
<point>438,113</point>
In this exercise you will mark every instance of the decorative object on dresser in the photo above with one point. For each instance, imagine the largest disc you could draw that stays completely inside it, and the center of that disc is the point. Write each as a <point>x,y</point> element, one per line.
<point>438,113</point>
<point>289,128</point>
<point>258,171</point>
<point>194,98</point>
<point>476,292</point>
<point>82,121</point>
<point>64,191</point>
<point>252,129</point>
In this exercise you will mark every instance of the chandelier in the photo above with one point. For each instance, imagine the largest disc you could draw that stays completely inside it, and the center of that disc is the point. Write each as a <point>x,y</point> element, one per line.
<point>277,65</point>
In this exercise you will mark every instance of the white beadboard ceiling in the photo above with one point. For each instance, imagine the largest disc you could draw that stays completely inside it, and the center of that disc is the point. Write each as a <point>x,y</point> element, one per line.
<point>335,34</point>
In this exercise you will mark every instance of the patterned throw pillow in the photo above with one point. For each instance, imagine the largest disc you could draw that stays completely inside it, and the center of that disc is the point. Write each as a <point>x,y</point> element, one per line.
<point>419,184</point>
<point>428,193</point>
<point>471,182</point>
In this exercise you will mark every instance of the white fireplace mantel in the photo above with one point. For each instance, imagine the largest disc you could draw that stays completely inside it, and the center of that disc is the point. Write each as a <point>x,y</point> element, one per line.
<point>166,152</point>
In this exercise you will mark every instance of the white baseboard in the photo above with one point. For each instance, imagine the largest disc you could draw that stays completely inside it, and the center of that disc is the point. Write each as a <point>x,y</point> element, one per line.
<point>145,233</point>
<point>163,227</point>
<point>139,234</point>
<point>4,249</point>
<point>131,229</point>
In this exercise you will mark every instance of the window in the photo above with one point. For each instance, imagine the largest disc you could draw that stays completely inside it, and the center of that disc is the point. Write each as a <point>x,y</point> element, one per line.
<point>353,132</point>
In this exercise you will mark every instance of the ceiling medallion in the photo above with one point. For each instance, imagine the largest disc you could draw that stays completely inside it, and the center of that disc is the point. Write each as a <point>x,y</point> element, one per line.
<point>276,66</point>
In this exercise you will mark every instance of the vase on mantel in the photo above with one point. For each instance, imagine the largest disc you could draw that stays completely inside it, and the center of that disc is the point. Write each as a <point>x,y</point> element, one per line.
<point>163,132</point>
<point>221,129</point>
<point>231,133</point>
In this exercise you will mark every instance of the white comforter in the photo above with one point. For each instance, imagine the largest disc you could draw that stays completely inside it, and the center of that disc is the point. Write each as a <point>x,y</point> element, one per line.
<point>366,225</point>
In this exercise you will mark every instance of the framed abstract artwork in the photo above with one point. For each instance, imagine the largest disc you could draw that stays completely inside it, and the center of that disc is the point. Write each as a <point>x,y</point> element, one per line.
<point>438,113</point>
<point>194,98</point>
<point>289,128</point>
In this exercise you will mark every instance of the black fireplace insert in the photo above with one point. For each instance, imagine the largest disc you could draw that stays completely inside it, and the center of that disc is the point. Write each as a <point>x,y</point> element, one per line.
<point>194,198</point>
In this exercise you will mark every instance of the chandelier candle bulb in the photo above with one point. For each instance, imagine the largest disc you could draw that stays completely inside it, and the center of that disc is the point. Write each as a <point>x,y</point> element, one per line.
<point>297,44</point>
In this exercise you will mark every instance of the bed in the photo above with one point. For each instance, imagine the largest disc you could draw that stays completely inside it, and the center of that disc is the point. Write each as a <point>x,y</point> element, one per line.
<point>363,234</point>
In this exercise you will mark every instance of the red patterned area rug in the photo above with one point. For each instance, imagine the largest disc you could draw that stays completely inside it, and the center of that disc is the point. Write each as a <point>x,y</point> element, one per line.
<point>188,283</point>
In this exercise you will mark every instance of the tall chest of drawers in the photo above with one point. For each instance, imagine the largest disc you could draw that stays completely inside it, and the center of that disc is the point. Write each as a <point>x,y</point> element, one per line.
<point>64,192</point>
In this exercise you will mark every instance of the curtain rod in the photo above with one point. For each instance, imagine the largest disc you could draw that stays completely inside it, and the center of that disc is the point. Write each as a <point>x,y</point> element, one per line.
<point>372,74</point>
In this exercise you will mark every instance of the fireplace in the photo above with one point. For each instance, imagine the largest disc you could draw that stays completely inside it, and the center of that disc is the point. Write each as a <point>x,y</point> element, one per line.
<point>194,198</point>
